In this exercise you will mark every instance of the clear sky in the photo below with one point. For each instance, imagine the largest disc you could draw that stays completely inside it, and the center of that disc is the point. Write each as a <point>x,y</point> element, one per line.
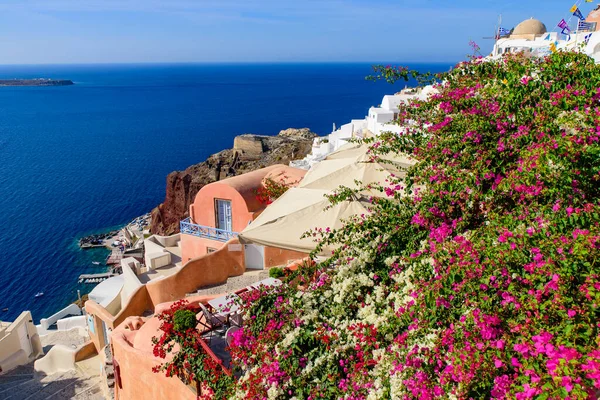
<point>117,31</point>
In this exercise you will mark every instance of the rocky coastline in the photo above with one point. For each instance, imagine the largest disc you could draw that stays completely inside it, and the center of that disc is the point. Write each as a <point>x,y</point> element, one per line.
<point>249,152</point>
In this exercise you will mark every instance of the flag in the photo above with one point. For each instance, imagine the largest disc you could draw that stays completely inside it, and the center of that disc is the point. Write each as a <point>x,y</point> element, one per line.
<point>586,26</point>
<point>503,32</point>
<point>589,1</point>
<point>587,37</point>
<point>553,47</point>
<point>563,24</point>
<point>578,14</point>
<point>573,8</point>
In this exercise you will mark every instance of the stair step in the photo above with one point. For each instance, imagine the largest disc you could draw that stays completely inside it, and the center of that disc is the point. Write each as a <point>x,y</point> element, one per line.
<point>37,389</point>
<point>22,384</point>
<point>53,387</point>
<point>23,390</point>
<point>15,377</point>
<point>9,381</point>
<point>79,389</point>
<point>92,393</point>
<point>8,391</point>
<point>12,377</point>
<point>26,369</point>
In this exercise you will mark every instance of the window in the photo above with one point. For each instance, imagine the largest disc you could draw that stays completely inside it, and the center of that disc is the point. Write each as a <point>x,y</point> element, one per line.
<point>223,215</point>
<point>210,250</point>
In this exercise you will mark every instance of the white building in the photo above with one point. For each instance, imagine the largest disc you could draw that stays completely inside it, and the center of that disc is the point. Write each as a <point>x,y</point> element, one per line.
<point>378,120</point>
<point>531,36</point>
<point>19,342</point>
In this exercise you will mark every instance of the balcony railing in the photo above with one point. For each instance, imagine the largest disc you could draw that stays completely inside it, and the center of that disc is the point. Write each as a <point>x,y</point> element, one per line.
<point>188,228</point>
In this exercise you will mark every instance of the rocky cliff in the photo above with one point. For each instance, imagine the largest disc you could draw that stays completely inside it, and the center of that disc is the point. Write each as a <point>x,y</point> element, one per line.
<point>249,152</point>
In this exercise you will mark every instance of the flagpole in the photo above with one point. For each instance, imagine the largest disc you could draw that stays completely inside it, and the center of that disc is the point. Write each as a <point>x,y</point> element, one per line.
<point>497,35</point>
<point>577,3</point>
<point>577,33</point>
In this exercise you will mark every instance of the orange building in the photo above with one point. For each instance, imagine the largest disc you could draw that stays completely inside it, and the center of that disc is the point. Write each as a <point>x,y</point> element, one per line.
<point>224,208</point>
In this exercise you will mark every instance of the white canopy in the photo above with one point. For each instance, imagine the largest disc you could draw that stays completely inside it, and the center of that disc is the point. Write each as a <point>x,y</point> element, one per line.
<point>105,292</point>
<point>352,163</point>
<point>297,211</point>
<point>349,150</point>
<point>360,152</point>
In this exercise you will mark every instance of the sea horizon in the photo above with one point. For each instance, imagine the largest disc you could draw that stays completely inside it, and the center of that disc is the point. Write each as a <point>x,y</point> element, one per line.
<point>202,63</point>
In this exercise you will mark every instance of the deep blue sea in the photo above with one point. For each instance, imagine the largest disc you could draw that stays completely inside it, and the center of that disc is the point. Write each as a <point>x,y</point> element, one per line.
<point>79,159</point>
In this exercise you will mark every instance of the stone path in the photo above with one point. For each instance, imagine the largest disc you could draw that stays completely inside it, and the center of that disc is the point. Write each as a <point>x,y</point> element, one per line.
<point>72,338</point>
<point>22,384</point>
<point>81,384</point>
<point>234,283</point>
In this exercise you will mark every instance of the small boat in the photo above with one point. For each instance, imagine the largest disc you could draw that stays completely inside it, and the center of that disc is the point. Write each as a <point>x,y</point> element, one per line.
<point>96,262</point>
<point>5,309</point>
<point>39,294</point>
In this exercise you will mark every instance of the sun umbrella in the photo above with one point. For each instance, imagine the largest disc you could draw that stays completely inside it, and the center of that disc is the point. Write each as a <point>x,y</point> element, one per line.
<point>352,164</point>
<point>297,211</point>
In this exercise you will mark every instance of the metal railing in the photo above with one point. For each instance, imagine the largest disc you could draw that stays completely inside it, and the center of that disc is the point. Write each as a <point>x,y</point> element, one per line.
<point>186,227</point>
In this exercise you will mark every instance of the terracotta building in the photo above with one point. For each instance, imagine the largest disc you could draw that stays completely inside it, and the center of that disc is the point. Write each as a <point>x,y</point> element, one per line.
<point>224,208</point>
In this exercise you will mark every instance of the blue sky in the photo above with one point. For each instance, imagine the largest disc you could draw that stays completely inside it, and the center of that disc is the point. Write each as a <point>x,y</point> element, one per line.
<point>114,31</point>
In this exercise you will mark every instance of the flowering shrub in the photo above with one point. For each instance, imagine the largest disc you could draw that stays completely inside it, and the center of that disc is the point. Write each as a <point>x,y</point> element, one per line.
<point>271,189</point>
<point>276,272</point>
<point>484,282</point>
<point>184,319</point>
<point>188,359</point>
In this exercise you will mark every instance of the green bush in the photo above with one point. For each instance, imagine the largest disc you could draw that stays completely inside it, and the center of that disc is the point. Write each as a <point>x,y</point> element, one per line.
<point>184,320</point>
<point>276,272</point>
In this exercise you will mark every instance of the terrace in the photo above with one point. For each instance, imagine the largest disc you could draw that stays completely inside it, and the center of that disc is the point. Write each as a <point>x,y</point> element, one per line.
<point>218,318</point>
<point>187,227</point>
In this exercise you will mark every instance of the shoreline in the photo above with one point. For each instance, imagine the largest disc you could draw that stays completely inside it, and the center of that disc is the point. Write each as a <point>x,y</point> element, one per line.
<point>130,234</point>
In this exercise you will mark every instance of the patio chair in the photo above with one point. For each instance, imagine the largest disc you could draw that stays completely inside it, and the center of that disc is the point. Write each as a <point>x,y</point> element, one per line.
<point>235,319</point>
<point>211,321</point>
<point>229,334</point>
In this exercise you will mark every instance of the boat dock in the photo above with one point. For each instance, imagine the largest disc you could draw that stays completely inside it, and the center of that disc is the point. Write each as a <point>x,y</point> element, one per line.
<point>114,257</point>
<point>91,246</point>
<point>95,278</point>
<point>98,240</point>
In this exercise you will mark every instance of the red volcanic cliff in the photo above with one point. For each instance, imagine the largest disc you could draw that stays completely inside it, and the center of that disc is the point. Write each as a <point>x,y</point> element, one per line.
<point>249,152</point>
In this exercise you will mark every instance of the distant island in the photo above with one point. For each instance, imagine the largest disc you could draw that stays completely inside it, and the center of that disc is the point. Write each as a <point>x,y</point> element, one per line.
<point>35,82</point>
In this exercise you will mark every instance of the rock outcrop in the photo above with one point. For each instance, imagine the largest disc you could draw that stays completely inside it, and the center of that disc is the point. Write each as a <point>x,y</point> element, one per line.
<point>250,152</point>
<point>35,82</point>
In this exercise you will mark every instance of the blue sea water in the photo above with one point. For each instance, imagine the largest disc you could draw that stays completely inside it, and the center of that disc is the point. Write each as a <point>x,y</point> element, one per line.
<point>79,159</point>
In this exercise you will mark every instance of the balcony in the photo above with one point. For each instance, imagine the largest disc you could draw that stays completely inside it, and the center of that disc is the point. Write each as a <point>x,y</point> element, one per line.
<point>187,227</point>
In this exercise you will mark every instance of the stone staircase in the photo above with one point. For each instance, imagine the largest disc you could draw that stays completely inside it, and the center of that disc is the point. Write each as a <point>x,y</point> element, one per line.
<point>72,338</point>
<point>23,384</point>
<point>233,284</point>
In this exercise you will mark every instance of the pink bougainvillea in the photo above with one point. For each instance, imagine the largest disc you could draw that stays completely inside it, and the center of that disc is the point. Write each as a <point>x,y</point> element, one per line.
<point>483,282</point>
